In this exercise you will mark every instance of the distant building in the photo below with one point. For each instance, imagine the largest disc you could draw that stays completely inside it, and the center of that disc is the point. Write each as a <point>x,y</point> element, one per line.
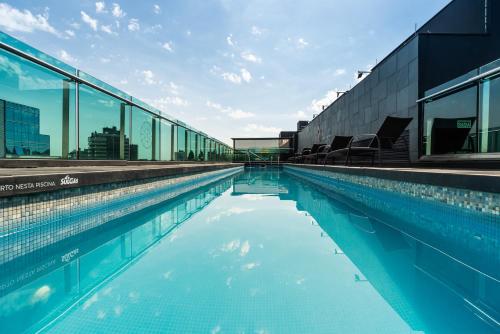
<point>105,145</point>
<point>301,125</point>
<point>21,134</point>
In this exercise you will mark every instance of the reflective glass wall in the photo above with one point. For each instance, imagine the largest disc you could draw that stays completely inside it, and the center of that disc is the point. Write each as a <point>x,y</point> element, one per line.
<point>466,120</point>
<point>51,110</point>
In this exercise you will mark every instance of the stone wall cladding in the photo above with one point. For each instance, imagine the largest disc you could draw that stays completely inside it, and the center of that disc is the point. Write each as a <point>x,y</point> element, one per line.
<point>390,90</point>
<point>30,222</point>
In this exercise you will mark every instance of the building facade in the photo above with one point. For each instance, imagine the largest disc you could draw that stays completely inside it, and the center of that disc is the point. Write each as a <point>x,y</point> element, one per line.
<point>49,109</point>
<point>457,46</point>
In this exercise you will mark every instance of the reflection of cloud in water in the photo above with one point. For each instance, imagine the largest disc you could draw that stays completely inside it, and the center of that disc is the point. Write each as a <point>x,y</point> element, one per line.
<point>168,275</point>
<point>118,310</point>
<point>300,281</point>
<point>215,330</point>
<point>250,266</point>
<point>231,246</point>
<point>229,280</point>
<point>101,314</point>
<point>41,294</point>
<point>134,296</point>
<point>245,248</point>
<point>228,213</point>
<point>90,301</point>
<point>253,197</point>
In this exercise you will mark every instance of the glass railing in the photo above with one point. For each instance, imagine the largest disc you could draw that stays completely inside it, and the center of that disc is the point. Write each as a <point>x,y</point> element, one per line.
<point>466,119</point>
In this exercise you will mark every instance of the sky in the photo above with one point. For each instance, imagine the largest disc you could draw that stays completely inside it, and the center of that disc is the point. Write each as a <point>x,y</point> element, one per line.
<point>229,68</point>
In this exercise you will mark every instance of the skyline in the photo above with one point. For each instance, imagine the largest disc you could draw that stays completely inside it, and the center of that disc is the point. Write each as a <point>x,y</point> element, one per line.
<point>228,69</point>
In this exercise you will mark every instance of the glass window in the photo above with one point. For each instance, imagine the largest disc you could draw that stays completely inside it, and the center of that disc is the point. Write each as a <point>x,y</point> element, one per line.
<point>37,114</point>
<point>192,146</point>
<point>450,124</point>
<point>489,126</point>
<point>144,136</point>
<point>166,140</point>
<point>104,129</point>
<point>181,144</point>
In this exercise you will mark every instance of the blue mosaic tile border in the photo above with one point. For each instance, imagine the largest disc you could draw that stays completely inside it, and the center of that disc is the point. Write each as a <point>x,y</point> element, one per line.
<point>482,202</point>
<point>31,222</point>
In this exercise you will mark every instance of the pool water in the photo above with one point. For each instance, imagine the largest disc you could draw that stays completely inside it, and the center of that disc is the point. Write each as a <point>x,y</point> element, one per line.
<point>258,252</point>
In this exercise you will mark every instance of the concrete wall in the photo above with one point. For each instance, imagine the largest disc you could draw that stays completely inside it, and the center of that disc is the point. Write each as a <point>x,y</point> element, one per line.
<point>391,89</point>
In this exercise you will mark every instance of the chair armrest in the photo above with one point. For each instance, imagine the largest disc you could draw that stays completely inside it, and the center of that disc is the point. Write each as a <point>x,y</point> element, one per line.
<point>368,138</point>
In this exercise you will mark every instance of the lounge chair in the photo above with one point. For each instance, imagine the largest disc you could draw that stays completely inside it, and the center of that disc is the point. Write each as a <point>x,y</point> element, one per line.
<point>372,144</point>
<point>312,156</point>
<point>338,142</point>
<point>298,157</point>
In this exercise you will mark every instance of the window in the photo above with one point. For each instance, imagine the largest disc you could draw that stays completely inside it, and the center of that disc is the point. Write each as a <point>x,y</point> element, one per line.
<point>489,119</point>
<point>37,114</point>
<point>104,126</point>
<point>166,140</point>
<point>181,144</point>
<point>450,124</point>
<point>145,135</point>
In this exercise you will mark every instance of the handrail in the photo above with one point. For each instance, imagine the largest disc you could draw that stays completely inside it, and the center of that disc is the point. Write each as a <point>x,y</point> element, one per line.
<point>460,85</point>
<point>78,79</point>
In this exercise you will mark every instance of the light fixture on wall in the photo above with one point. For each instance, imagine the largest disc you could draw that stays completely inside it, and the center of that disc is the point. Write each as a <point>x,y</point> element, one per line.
<point>360,73</point>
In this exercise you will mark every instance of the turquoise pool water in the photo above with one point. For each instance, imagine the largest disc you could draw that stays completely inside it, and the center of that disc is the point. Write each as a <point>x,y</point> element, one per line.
<point>259,252</point>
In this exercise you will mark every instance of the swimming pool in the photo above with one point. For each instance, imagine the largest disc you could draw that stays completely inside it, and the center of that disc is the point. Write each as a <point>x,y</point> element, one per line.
<point>264,251</point>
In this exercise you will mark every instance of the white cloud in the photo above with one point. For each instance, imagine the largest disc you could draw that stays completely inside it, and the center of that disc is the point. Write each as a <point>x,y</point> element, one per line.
<point>229,40</point>
<point>65,56</point>
<point>13,19</point>
<point>107,29</point>
<point>257,130</point>
<point>302,43</point>
<point>339,72</point>
<point>104,60</point>
<point>133,25</point>
<point>70,33</point>
<point>251,57</point>
<point>168,46</point>
<point>148,77</point>
<point>231,112</point>
<point>163,102</point>
<point>256,31</point>
<point>245,75</point>
<point>100,7</point>
<point>89,20</point>
<point>299,114</point>
<point>172,88</point>
<point>117,11</point>
<point>75,25</point>
<point>231,77</point>
<point>317,105</point>
<point>156,9</point>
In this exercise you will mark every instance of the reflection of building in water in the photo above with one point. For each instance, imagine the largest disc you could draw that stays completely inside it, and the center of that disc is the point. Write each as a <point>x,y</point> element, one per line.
<point>20,131</point>
<point>105,145</point>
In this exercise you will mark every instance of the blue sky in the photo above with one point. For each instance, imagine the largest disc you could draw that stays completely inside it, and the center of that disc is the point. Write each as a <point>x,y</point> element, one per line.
<point>229,68</point>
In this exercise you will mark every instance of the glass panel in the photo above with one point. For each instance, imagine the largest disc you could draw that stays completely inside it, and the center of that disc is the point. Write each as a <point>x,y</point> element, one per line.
<point>102,84</point>
<point>104,130</point>
<point>181,144</point>
<point>9,40</point>
<point>36,110</point>
<point>450,123</point>
<point>166,140</point>
<point>489,126</point>
<point>192,146</point>
<point>144,135</point>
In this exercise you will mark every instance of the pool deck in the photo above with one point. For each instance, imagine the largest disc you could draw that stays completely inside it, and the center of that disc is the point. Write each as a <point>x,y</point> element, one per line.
<point>21,181</point>
<point>480,180</point>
